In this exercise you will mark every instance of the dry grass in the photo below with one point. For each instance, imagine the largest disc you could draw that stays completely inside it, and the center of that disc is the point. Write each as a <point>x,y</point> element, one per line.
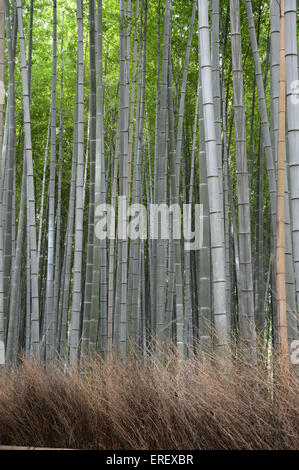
<point>193,405</point>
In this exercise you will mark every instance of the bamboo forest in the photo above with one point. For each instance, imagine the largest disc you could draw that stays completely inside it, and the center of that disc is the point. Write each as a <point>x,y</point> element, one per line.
<point>149,224</point>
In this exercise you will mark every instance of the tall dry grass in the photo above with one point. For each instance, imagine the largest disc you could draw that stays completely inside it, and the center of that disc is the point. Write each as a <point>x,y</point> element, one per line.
<point>193,404</point>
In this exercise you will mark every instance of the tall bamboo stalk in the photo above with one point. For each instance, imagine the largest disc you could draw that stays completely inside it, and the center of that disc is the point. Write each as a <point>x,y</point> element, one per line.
<point>292,110</point>
<point>160,183</point>
<point>74,328</point>
<point>30,189</point>
<point>245,296</point>
<point>2,100</point>
<point>215,201</point>
<point>123,188</point>
<point>50,313</point>
<point>280,246</point>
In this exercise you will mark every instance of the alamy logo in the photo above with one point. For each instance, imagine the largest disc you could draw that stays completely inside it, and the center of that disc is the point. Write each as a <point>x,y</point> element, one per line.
<point>158,221</point>
<point>2,352</point>
<point>295,352</point>
<point>2,92</point>
<point>294,92</point>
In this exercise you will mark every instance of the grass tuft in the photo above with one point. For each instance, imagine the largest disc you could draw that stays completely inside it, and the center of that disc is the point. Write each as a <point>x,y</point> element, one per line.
<point>190,404</point>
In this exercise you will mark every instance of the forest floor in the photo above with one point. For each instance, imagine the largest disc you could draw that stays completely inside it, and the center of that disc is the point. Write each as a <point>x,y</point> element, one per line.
<point>190,404</point>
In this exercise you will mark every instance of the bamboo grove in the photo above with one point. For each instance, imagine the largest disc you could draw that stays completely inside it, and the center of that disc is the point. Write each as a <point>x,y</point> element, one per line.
<point>134,102</point>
